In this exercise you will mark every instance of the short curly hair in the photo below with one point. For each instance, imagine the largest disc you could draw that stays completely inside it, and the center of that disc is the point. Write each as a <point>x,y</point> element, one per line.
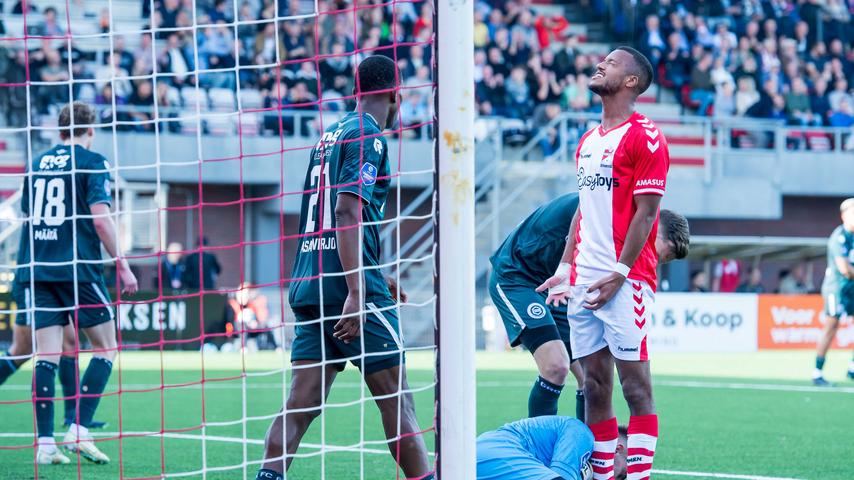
<point>84,118</point>
<point>376,73</point>
<point>676,231</point>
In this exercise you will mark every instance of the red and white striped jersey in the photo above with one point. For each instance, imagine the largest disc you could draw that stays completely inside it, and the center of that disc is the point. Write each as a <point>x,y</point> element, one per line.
<point>612,167</point>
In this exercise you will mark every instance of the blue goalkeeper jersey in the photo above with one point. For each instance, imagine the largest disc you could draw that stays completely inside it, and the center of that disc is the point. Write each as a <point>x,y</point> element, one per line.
<point>562,445</point>
<point>532,251</point>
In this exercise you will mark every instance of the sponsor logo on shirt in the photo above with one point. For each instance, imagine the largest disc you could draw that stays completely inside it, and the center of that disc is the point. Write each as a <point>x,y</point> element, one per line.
<point>49,162</point>
<point>369,174</point>
<point>592,182</point>
<point>651,182</point>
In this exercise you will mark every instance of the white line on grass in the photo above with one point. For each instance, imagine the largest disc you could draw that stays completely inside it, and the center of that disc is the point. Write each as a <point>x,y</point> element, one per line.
<point>340,448</point>
<point>213,385</point>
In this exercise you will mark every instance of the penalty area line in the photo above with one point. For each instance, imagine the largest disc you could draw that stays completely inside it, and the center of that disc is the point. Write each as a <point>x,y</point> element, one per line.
<point>718,475</point>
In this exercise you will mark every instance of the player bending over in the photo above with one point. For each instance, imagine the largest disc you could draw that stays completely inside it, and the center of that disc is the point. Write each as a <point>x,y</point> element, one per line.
<point>522,263</point>
<point>838,287</point>
<point>608,270</point>
<point>66,200</point>
<point>22,347</point>
<point>348,175</point>
<point>542,448</point>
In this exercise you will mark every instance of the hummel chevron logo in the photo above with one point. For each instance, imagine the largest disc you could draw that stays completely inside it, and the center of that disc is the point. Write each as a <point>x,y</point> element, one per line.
<point>636,286</point>
<point>640,324</point>
<point>653,134</point>
<point>643,121</point>
<point>639,311</point>
<point>638,299</point>
<point>652,146</point>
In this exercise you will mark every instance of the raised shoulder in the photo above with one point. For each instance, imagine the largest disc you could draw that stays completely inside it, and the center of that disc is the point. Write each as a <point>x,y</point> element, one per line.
<point>646,133</point>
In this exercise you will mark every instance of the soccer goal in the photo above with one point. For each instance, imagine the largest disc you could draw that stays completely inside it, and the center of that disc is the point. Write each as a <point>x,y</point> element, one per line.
<point>207,112</point>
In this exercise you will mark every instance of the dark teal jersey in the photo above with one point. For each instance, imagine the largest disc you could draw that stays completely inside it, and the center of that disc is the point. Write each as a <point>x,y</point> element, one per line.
<point>60,189</point>
<point>350,157</point>
<point>532,251</point>
<point>840,244</point>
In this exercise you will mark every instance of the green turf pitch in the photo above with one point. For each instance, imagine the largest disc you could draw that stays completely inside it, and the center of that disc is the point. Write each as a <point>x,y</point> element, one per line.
<point>733,415</point>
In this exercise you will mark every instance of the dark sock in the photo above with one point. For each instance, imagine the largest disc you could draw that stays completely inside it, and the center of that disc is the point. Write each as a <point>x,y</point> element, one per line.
<point>45,386</point>
<point>579,405</point>
<point>819,363</point>
<point>543,398</point>
<point>68,379</point>
<point>267,474</point>
<point>7,367</point>
<point>92,386</point>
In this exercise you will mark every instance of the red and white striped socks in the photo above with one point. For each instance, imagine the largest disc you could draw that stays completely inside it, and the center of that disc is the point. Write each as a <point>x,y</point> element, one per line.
<point>643,434</point>
<point>604,447</point>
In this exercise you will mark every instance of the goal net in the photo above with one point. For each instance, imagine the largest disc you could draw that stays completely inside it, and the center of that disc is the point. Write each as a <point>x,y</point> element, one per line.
<point>207,111</point>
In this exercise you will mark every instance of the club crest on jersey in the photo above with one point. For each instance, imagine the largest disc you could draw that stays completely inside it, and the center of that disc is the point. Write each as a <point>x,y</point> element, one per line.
<point>607,158</point>
<point>369,174</point>
<point>536,311</point>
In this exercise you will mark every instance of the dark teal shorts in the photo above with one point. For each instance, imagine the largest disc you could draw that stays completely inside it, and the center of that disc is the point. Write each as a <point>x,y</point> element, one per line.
<point>379,347</point>
<point>522,308</point>
<point>54,304</point>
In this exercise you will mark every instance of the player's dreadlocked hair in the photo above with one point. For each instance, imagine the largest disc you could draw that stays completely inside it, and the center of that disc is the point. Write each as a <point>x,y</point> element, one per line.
<point>84,118</point>
<point>676,231</point>
<point>376,73</point>
<point>643,69</point>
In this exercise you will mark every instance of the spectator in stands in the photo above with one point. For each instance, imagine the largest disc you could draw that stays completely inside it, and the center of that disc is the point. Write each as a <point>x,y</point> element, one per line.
<point>723,38</point>
<point>14,100</point>
<point>726,276</point>
<point>844,116</point>
<point>771,104</point>
<point>798,109</point>
<point>652,41</point>
<point>265,46</point>
<point>491,93</point>
<point>819,103</point>
<point>167,16</point>
<point>677,61</point>
<point>112,72</point>
<point>171,267</point>
<point>838,94</point>
<point>201,269</point>
<point>142,103</point>
<point>51,27</point>
<point>168,99</point>
<point>577,96</point>
<point>481,30</point>
<point>519,101</point>
<point>143,52</point>
<point>753,283</point>
<point>724,105</point>
<point>125,58</point>
<point>413,111</point>
<point>173,61</point>
<point>56,73</point>
<point>699,282</point>
<point>702,89</point>
<point>794,281</point>
<point>217,52</point>
<point>294,42</point>
<point>544,114</point>
<point>746,96</point>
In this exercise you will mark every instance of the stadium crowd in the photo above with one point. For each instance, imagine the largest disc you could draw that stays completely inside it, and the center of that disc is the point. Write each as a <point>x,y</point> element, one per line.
<point>775,60</point>
<point>782,59</point>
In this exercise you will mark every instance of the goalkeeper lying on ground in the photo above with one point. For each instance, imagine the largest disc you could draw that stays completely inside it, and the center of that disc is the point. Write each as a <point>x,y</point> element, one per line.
<point>542,448</point>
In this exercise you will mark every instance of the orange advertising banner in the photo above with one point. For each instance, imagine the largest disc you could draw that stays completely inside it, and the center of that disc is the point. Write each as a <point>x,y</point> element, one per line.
<point>796,321</point>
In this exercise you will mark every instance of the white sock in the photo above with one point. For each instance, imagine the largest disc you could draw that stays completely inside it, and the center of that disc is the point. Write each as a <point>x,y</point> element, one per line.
<point>80,429</point>
<point>817,373</point>
<point>851,366</point>
<point>47,443</point>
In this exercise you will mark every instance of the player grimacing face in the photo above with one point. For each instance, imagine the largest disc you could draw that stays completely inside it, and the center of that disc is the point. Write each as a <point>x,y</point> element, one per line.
<point>611,75</point>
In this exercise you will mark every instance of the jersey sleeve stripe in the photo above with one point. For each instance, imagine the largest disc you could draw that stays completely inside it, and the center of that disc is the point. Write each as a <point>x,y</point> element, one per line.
<point>656,191</point>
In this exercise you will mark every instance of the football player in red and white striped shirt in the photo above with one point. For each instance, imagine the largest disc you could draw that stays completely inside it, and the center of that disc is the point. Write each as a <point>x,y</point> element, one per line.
<point>608,274</point>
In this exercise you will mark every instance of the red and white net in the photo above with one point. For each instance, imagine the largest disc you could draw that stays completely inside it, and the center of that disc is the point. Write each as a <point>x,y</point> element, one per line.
<point>207,112</point>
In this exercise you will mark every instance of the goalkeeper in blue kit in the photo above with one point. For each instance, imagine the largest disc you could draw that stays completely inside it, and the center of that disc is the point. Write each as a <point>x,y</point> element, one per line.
<point>542,448</point>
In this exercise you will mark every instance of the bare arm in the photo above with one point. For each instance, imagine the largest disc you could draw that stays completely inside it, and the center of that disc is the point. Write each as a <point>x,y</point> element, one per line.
<point>569,249</point>
<point>106,230</point>
<point>558,284</point>
<point>640,228</point>
<point>348,211</point>
<point>844,267</point>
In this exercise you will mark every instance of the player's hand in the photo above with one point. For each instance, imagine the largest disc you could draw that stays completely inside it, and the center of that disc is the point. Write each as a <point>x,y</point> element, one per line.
<point>607,287</point>
<point>396,290</point>
<point>559,291</point>
<point>129,283</point>
<point>350,326</point>
<point>558,286</point>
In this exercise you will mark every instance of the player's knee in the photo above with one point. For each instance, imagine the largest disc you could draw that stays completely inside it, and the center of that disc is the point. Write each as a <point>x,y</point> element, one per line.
<point>832,324</point>
<point>596,388</point>
<point>556,370</point>
<point>638,393</point>
<point>303,409</point>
